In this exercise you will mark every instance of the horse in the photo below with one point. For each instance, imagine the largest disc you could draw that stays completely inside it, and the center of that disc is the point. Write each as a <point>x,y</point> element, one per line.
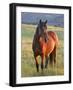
<point>44,44</point>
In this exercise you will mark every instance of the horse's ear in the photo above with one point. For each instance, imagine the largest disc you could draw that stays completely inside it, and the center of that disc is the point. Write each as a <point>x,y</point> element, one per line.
<point>46,22</point>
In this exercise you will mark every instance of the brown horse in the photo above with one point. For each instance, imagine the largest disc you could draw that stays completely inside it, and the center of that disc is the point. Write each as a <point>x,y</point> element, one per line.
<point>44,44</point>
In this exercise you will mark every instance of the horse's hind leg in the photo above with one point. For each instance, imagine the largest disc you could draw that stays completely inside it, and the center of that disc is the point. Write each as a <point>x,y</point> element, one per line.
<point>46,61</point>
<point>55,55</point>
<point>51,58</point>
<point>37,65</point>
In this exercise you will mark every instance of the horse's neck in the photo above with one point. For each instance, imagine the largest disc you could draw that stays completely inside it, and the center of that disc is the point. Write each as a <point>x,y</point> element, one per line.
<point>36,38</point>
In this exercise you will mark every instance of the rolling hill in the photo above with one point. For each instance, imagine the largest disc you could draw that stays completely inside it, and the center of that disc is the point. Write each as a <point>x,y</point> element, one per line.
<point>33,18</point>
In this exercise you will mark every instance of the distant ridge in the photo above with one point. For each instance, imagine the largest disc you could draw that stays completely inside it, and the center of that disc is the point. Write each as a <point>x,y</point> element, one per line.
<point>33,18</point>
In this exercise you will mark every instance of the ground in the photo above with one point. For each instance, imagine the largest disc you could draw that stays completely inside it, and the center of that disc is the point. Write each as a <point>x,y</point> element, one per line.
<point>28,68</point>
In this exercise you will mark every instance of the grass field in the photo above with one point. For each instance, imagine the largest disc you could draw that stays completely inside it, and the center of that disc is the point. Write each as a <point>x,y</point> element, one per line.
<point>28,68</point>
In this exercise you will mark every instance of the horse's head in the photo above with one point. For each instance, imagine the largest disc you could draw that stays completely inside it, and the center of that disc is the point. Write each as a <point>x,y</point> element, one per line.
<point>42,27</point>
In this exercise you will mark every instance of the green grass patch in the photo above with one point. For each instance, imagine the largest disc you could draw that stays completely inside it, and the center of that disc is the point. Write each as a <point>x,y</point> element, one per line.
<point>28,68</point>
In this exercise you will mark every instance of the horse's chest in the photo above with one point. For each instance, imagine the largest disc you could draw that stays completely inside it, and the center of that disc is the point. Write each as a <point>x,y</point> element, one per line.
<point>36,48</point>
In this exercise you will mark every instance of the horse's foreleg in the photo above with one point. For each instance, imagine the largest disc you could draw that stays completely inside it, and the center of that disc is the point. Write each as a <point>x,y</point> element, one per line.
<point>37,65</point>
<point>42,62</point>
